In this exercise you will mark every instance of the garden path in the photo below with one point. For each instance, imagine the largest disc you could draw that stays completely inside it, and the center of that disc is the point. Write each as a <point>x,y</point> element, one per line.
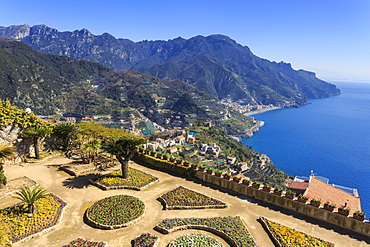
<point>80,195</point>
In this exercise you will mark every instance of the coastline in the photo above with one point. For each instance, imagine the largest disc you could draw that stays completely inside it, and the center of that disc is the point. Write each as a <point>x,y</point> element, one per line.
<point>262,110</point>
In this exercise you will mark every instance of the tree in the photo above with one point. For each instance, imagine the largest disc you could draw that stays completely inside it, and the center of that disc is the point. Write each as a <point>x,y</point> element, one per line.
<point>6,152</point>
<point>65,133</point>
<point>36,133</point>
<point>30,196</point>
<point>123,148</point>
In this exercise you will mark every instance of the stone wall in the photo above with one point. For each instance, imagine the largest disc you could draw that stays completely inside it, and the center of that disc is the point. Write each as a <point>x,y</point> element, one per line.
<point>305,209</point>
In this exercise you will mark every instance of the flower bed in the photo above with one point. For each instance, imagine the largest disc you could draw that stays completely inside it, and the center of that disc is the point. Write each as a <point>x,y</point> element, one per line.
<point>137,180</point>
<point>80,242</point>
<point>231,229</point>
<point>183,198</point>
<point>18,225</point>
<point>194,239</point>
<point>115,212</point>
<point>285,236</point>
<point>145,240</point>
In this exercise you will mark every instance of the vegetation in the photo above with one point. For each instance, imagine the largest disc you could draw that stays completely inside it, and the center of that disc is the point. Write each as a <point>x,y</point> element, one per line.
<point>115,210</point>
<point>195,240</point>
<point>145,240</point>
<point>30,196</point>
<point>183,198</point>
<point>289,237</point>
<point>36,133</point>
<point>6,152</point>
<point>231,226</point>
<point>16,223</point>
<point>136,180</point>
<point>80,242</point>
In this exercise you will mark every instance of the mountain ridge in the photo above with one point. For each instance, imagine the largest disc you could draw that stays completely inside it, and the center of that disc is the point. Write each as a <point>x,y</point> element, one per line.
<point>254,80</point>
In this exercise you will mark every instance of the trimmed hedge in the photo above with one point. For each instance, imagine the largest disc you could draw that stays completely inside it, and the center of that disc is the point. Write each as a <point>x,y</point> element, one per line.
<point>165,165</point>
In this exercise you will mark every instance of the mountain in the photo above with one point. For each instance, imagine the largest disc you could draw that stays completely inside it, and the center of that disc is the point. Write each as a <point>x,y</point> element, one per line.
<point>41,82</point>
<point>50,84</point>
<point>216,63</point>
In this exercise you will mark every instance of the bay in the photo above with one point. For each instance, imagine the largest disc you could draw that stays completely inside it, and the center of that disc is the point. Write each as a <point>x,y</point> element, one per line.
<point>330,136</point>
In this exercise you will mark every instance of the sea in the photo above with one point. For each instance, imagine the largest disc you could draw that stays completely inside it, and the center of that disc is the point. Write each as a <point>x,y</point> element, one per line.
<point>329,137</point>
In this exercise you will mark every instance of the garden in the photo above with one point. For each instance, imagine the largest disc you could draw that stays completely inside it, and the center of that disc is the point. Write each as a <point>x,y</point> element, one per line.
<point>80,242</point>
<point>17,223</point>
<point>145,240</point>
<point>288,237</point>
<point>137,180</point>
<point>183,198</point>
<point>230,228</point>
<point>195,240</point>
<point>115,212</point>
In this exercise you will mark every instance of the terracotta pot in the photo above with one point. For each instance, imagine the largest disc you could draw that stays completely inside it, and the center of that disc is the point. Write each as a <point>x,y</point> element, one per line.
<point>358,217</point>
<point>279,193</point>
<point>245,183</point>
<point>202,169</point>
<point>209,172</point>
<point>256,186</point>
<point>315,204</point>
<point>302,200</point>
<point>343,212</point>
<point>227,178</point>
<point>218,174</point>
<point>289,196</point>
<point>328,208</point>
<point>266,189</point>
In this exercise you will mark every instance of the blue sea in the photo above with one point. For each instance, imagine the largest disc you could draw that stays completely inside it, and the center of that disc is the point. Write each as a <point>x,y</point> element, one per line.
<point>330,136</point>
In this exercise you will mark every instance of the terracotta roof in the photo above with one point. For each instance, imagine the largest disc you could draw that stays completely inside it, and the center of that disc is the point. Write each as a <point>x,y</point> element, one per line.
<point>298,185</point>
<point>327,193</point>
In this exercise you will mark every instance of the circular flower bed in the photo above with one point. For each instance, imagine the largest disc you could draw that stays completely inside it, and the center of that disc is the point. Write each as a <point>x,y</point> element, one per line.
<point>183,198</point>
<point>195,240</point>
<point>137,180</point>
<point>115,212</point>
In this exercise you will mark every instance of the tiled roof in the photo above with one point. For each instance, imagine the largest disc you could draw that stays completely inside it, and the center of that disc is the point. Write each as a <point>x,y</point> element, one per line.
<point>327,193</point>
<point>298,185</point>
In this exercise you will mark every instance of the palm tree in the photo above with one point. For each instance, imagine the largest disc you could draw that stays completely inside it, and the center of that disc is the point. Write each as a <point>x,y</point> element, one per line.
<point>65,132</point>
<point>30,195</point>
<point>123,148</point>
<point>6,151</point>
<point>36,133</point>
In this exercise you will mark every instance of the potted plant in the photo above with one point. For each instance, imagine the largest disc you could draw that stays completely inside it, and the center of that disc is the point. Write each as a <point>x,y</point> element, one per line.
<point>359,215</point>
<point>160,155</point>
<point>267,188</point>
<point>218,173</point>
<point>236,179</point>
<point>210,170</point>
<point>246,181</point>
<point>179,161</point>
<point>315,202</point>
<point>172,159</point>
<point>194,166</point>
<point>302,198</point>
<point>290,194</point>
<point>278,191</point>
<point>227,176</point>
<point>154,153</point>
<point>256,185</point>
<point>166,157</point>
<point>186,163</point>
<point>329,206</point>
<point>343,211</point>
<point>202,168</point>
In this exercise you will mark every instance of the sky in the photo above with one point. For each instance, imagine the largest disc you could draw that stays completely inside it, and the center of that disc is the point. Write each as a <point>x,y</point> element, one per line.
<point>328,37</point>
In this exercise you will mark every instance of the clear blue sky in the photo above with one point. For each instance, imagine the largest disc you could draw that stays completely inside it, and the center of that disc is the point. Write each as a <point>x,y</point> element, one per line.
<point>329,37</point>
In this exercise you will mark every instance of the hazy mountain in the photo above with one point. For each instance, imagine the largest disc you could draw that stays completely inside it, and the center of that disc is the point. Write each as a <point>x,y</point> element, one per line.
<point>215,63</point>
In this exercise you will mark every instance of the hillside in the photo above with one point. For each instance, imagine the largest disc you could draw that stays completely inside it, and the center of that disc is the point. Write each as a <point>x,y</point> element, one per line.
<point>50,84</point>
<point>216,63</point>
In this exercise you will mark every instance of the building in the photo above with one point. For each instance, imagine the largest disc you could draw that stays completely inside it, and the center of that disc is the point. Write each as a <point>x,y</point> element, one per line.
<point>315,188</point>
